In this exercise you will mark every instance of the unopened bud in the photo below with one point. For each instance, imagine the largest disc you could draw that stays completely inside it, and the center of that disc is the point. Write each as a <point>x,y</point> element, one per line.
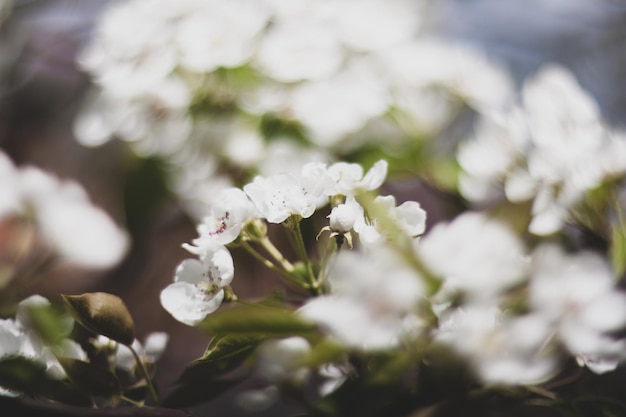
<point>342,218</point>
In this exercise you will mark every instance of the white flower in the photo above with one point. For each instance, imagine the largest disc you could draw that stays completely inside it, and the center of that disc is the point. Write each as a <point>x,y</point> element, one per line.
<point>576,292</point>
<point>395,21</point>
<point>408,216</point>
<point>299,50</point>
<point>9,189</point>
<point>220,34</point>
<point>231,209</point>
<point>342,218</point>
<point>19,337</point>
<point>371,300</point>
<point>198,286</point>
<point>332,108</point>
<point>281,195</point>
<point>278,360</point>
<point>348,179</point>
<point>334,374</point>
<point>150,352</point>
<point>478,255</point>
<point>502,349</point>
<point>81,232</point>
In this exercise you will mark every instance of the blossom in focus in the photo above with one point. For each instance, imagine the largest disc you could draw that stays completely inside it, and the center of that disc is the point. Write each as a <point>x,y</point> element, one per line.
<point>281,195</point>
<point>229,212</point>
<point>198,287</point>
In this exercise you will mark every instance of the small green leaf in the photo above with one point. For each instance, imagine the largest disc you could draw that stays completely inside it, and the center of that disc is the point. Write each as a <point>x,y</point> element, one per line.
<point>104,314</point>
<point>52,326</point>
<point>192,394</point>
<point>223,354</point>
<point>253,320</point>
<point>90,378</point>
<point>324,352</point>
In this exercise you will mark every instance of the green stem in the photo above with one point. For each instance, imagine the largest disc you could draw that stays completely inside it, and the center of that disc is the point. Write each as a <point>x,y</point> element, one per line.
<point>301,248</point>
<point>131,401</point>
<point>144,371</point>
<point>276,254</point>
<point>333,248</point>
<point>269,264</point>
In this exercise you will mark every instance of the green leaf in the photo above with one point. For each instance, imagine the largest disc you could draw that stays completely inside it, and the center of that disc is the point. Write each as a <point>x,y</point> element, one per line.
<point>29,377</point>
<point>324,352</point>
<point>90,378</point>
<point>51,325</point>
<point>226,352</point>
<point>104,314</point>
<point>192,394</point>
<point>257,320</point>
<point>21,374</point>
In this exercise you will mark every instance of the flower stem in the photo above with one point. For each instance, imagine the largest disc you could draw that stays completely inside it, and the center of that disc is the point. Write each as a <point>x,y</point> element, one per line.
<point>301,248</point>
<point>269,264</point>
<point>144,371</point>
<point>276,254</point>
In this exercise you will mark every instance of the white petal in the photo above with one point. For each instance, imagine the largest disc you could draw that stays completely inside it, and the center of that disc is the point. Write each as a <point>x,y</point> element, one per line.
<point>187,304</point>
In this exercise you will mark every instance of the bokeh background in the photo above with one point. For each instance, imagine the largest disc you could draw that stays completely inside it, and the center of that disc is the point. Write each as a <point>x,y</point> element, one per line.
<point>42,89</point>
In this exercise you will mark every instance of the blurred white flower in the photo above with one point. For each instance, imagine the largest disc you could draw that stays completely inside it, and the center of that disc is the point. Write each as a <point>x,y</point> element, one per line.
<point>408,216</point>
<point>18,337</point>
<point>150,351</point>
<point>370,302</point>
<point>155,120</point>
<point>395,21</point>
<point>502,349</point>
<point>348,179</point>
<point>9,187</point>
<point>299,50</point>
<point>219,34</point>
<point>475,254</point>
<point>549,149</point>
<point>336,106</point>
<point>278,360</point>
<point>81,232</point>
<point>576,292</point>
<point>198,287</point>
<point>73,227</point>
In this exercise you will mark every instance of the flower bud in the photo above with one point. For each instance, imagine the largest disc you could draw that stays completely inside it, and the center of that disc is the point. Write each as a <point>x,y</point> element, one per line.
<point>342,218</point>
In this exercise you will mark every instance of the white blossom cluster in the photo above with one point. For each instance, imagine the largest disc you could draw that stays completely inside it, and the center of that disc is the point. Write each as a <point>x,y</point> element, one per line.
<point>549,148</point>
<point>192,82</point>
<point>514,310</point>
<point>62,213</point>
<point>198,287</point>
